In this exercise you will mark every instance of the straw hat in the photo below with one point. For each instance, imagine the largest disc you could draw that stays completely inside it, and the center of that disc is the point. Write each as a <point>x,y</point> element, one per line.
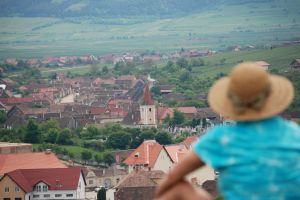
<point>249,93</point>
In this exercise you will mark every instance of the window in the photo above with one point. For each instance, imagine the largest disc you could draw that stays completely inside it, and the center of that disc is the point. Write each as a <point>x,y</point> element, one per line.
<point>45,188</point>
<point>38,188</point>
<point>69,195</point>
<point>17,189</point>
<point>36,196</point>
<point>6,189</point>
<point>46,195</point>
<point>6,198</point>
<point>150,109</point>
<point>18,198</point>
<point>58,195</point>
<point>91,182</point>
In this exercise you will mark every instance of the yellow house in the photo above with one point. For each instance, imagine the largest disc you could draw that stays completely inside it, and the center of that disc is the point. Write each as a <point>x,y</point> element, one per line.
<point>9,190</point>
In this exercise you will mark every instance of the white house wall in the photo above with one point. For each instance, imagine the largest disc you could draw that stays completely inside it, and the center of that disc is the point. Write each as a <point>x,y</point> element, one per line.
<point>163,162</point>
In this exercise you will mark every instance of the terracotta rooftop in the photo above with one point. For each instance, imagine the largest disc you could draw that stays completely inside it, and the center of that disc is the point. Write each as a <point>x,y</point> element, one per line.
<point>146,153</point>
<point>10,162</point>
<point>187,110</point>
<point>14,100</point>
<point>55,178</point>
<point>141,179</point>
<point>176,152</point>
<point>189,141</point>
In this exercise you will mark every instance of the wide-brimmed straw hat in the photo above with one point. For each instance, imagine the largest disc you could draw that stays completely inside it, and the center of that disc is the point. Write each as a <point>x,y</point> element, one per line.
<point>249,93</point>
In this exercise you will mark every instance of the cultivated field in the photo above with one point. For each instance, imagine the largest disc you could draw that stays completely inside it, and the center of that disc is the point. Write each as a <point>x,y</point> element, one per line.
<point>248,24</point>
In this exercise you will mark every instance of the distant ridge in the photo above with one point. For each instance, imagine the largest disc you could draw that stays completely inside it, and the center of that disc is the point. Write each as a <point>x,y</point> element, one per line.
<point>109,8</point>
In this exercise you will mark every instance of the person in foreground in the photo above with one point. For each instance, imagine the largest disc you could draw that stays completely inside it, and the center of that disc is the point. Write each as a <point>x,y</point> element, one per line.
<point>258,157</point>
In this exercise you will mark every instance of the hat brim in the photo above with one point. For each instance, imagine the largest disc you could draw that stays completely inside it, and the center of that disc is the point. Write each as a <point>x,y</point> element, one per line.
<point>281,96</point>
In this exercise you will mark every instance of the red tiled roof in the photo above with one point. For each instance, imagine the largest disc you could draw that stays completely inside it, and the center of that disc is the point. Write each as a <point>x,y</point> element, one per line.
<point>189,141</point>
<point>176,152</point>
<point>147,96</point>
<point>10,162</point>
<point>15,100</point>
<point>187,110</point>
<point>164,111</point>
<point>98,110</point>
<point>55,178</point>
<point>146,153</point>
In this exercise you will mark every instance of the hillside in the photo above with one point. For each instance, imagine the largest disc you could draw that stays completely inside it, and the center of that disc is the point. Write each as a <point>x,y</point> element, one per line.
<point>221,23</point>
<point>111,8</point>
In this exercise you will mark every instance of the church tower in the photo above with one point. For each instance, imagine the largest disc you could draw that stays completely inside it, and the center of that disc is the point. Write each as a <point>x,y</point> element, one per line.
<point>148,109</point>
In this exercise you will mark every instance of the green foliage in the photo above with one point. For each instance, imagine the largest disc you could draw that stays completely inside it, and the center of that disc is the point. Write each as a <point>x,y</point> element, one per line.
<point>108,158</point>
<point>118,140</point>
<point>101,195</point>
<point>33,134</point>
<point>178,118</point>
<point>2,116</point>
<point>86,155</point>
<point>155,90</point>
<point>163,138</point>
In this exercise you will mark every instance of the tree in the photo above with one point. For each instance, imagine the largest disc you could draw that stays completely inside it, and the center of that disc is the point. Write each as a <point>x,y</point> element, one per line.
<point>52,136</point>
<point>185,76</point>
<point>98,158</point>
<point>156,90</point>
<point>163,138</point>
<point>105,70</point>
<point>2,116</point>
<point>65,137</point>
<point>168,120</point>
<point>33,135</point>
<point>108,158</point>
<point>178,118</point>
<point>101,195</point>
<point>86,155</point>
<point>118,140</point>
<point>182,63</point>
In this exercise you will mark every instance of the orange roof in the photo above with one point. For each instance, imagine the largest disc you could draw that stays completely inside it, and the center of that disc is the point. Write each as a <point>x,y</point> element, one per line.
<point>146,153</point>
<point>189,141</point>
<point>176,152</point>
<point>187,110</point>
<point>164,111</point>
<point>10,162</point>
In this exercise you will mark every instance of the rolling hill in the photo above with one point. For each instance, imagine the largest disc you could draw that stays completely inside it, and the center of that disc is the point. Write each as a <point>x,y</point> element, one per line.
<point>38,28</point>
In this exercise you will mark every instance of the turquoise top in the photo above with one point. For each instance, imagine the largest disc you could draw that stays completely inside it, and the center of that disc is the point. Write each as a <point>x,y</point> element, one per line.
<point>256,160</point>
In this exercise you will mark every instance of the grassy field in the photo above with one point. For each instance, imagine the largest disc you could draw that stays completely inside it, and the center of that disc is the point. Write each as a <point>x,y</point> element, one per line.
<point>279,58</point>
<point>253,23</point>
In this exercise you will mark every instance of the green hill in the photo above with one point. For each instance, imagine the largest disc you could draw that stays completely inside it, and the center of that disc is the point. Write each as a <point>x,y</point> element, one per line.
<point>205,24</point>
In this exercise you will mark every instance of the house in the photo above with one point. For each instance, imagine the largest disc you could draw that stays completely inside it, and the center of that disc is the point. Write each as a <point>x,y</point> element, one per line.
<point>49,183</point>
<point>105,177</point>
<point>7,148</point>
<point>149,156</point>
<point>11,162</point>
<point>126,81</point>
<point>189,112</point>
<point>16,101</point>
<point>295,64</point>
<point>178,152</point>
<point>137,185</point>
<point>263,64</point>
<point>189,141</point>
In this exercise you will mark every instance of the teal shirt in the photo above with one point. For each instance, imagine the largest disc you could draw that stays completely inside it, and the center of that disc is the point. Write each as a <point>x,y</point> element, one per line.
<point>256,160</point>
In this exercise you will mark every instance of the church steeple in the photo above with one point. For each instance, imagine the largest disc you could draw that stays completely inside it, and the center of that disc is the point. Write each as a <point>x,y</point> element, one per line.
<point>147,97</point>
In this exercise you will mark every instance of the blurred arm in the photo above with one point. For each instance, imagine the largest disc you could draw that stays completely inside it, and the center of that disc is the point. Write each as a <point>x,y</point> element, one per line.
<point>189,164</point>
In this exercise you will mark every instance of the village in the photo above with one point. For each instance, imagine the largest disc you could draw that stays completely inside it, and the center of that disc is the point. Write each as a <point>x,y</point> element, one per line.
<point>82,102</point>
